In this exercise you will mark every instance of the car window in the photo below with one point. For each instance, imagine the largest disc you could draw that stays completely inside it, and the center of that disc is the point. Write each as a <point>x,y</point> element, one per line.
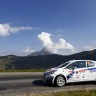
<point>90,64</point>
<point>63,65</point>
<point>78,64</point>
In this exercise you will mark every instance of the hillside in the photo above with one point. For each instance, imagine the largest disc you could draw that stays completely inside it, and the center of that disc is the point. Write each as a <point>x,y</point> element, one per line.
<point>41,61</point>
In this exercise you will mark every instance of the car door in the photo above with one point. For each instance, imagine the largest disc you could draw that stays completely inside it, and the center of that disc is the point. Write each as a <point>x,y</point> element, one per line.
<point>91,68</point>
<point>77,71</point>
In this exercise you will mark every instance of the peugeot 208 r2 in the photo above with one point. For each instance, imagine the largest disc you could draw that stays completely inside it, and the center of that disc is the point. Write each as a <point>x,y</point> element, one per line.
<point>71,71</point>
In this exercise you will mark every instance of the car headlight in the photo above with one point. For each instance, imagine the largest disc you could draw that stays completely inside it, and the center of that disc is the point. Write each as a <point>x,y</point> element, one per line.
<point>53,71</point>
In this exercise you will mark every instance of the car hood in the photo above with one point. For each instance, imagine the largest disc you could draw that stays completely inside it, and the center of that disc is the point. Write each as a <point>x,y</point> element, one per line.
<point>55,68</point>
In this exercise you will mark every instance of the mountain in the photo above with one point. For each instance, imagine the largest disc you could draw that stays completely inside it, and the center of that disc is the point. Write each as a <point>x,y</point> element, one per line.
<point>42,60</point>
<point>44,51</point>
<point>91,55</point>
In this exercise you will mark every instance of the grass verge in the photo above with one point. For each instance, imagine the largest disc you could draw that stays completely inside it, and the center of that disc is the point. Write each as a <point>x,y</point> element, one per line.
<point>31,70</point>
<point>65,93</point>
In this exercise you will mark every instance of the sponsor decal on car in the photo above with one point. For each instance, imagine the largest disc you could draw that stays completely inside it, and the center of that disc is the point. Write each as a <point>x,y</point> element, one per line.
<point>92,70</point>
<point>70,75</point>
<point>83,70</point>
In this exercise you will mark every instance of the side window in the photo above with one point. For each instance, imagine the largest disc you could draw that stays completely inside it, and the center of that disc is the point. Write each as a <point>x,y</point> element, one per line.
<point>90,64</point>
<point>78,64</point>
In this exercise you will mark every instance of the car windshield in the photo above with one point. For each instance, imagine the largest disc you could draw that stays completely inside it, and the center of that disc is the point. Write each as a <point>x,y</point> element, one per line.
<point>64,64</point>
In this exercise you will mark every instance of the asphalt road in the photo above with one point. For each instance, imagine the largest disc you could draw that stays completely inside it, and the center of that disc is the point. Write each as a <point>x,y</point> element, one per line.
<point>12,84</point>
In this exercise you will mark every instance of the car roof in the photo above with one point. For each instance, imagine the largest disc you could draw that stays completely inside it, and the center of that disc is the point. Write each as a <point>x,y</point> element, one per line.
<point>81,60</point>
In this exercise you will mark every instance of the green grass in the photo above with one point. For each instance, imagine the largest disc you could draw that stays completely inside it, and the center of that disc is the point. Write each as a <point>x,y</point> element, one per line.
<point>31,70</point>
<point>64,93</point>
<point>76,93</point>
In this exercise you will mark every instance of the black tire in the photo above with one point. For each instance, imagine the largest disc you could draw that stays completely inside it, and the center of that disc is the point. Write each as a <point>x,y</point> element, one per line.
<point>60,81</point>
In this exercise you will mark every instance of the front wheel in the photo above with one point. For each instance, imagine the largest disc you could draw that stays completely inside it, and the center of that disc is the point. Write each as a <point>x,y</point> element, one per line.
<point>60,81</point>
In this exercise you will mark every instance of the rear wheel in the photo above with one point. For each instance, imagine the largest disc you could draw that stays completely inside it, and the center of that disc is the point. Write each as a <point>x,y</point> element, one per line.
<point>60,81</point>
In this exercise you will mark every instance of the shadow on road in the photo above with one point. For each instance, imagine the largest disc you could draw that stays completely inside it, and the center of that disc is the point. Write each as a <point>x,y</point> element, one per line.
<point>41,83</point>
<point>82,83</point>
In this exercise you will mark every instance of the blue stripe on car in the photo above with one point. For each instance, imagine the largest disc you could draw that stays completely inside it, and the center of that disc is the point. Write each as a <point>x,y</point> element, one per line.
<point>71,74</point>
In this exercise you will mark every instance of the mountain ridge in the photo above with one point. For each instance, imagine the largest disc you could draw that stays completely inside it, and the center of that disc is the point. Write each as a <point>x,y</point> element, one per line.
<point>44,51</point>
<point>11,62</point>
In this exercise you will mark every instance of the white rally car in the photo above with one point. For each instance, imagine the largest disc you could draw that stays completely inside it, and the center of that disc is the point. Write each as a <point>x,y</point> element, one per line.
<point>71,71</point>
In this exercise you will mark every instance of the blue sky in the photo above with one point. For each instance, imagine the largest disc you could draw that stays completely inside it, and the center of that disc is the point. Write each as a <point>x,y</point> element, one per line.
<point>26,23</point>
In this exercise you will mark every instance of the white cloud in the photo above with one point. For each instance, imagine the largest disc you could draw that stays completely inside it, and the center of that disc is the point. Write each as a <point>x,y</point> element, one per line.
<point>6,29</point>
<point>28,50</point>
<point>54,47</point>
<point>89,48</point>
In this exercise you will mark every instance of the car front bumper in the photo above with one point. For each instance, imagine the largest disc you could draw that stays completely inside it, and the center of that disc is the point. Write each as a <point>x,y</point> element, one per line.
<point>48,78</point>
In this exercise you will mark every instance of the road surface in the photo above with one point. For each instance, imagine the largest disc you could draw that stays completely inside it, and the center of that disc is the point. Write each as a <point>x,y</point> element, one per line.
<point>26,82</point>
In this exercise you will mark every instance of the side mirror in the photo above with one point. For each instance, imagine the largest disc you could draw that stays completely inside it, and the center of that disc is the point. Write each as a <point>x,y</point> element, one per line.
<point>74,68</point>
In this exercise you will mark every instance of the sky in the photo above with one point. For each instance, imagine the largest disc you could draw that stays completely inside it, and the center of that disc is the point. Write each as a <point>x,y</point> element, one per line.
<point>61,26</point>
